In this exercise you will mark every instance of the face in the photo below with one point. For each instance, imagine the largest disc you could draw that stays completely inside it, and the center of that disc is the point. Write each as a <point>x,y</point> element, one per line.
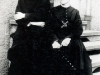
<point>64,1</point>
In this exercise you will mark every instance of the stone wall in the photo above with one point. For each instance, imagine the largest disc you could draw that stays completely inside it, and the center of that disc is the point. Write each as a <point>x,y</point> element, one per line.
<point>7,8</point>
<point>95,13</point>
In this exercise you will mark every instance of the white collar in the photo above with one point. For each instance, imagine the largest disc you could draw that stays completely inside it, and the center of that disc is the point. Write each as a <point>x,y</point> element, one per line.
<point>66,6</point>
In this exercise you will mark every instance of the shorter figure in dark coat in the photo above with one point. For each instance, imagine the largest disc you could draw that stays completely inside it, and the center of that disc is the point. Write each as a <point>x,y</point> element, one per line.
<point>72,58</point>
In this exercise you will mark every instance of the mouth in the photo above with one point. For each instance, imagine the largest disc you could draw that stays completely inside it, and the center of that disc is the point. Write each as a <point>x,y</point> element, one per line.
<point>64,3</point>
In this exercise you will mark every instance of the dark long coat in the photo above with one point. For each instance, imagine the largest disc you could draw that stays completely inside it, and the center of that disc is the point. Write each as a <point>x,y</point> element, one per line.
<point>30,52</point>
<point>72,59</point>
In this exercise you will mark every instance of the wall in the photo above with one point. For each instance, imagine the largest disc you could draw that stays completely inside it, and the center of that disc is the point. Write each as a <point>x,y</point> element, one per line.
<point>7,8</point>
<point>95,13</point>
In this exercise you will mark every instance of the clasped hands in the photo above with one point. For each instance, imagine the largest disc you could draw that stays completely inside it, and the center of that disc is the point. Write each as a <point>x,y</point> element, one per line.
<point>65,42</point>
<point>20,15</point>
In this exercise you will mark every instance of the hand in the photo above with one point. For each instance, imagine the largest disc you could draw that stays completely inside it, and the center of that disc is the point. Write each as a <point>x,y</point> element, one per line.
<point>65,42</point>
<point>29,24</point>
<point>9,63</point>
<point>56,45</point>
<point>19,15</point>
<point>41,24</point>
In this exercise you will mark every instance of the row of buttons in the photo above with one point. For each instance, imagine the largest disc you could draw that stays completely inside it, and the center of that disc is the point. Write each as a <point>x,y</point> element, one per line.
<point>63,57</point>
<point>66,16</point>
<point>65,23</point>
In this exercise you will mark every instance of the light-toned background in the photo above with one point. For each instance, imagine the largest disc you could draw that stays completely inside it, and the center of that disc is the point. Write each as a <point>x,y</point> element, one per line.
<point>7,9</point>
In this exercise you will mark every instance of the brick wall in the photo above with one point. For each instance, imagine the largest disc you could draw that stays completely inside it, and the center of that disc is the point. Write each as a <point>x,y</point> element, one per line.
<point>7,8</point>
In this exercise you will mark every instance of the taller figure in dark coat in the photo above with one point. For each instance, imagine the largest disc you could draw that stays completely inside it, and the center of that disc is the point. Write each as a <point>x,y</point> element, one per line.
<point>28,54</point>
<point>71,58</point>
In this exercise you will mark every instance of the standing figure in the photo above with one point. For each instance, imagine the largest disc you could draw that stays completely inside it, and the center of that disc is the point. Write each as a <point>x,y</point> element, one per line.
<point>72,58</point>
<point>28,54</point>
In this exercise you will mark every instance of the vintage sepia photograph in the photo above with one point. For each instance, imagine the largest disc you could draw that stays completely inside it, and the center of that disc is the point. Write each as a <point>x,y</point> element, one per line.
<point>49,37</point>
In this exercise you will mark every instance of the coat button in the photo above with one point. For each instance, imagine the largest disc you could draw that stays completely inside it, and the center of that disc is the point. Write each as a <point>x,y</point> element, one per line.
<point>65,58</point>
<point>59,50</point>
<point>67,61</point>
<point>70,63</point>
<point>62,56</point>
<point>74,68</point>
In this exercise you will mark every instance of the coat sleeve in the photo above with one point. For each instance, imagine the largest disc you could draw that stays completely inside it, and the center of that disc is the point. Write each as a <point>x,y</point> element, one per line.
<point>20,22</point>
<point>18,7</point>
<point>77,27</point>
<point>39,13</point>
<point>49,28</point>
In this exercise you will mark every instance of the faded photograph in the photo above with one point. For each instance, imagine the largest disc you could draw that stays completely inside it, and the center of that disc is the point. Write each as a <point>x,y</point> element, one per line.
<point>49,37</point>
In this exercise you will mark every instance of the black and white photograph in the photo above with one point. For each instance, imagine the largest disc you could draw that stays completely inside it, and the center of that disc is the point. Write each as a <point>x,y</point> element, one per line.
<point>49,37</point>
